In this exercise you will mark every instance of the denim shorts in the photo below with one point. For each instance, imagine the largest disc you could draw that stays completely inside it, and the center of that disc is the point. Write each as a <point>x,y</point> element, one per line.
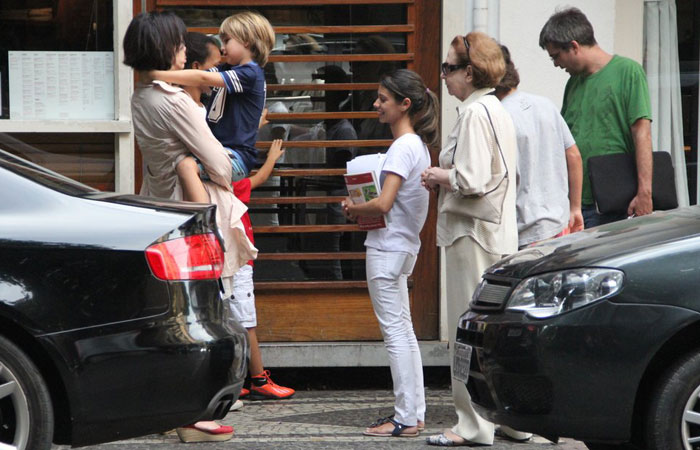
<point>238,168</point>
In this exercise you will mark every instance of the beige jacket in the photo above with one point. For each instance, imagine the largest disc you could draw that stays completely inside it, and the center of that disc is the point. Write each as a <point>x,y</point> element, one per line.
<point>168,126</point>
<point>476,162</point>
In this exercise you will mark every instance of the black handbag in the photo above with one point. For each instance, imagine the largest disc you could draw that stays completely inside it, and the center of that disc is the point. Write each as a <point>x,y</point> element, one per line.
<point>614,182</point>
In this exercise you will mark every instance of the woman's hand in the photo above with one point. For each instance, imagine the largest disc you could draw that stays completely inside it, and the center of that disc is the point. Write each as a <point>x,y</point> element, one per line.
<point>346,205</point>
<point>433,177</point>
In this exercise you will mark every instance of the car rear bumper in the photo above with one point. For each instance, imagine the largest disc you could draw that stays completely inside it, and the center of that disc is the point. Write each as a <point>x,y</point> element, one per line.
<point>575,375</point>
<point>153,374</point>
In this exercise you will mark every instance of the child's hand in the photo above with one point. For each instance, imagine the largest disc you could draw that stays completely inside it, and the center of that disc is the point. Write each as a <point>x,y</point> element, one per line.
<point>346,204</point>
<point>276,151</point>
<point>263,119</point>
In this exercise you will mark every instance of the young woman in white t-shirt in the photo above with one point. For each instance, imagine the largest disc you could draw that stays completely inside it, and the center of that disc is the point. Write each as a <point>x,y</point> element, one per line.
<point>411,110</point>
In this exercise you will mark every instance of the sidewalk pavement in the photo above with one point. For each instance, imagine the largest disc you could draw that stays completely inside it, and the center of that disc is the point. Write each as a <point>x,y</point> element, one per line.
<point>323,420</point>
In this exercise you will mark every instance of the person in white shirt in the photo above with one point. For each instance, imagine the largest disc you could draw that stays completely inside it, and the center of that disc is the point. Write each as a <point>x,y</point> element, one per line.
<point>548,198</point>
<point>411,111</point>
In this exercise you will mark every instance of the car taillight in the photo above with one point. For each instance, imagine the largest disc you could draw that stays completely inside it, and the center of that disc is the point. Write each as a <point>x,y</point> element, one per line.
<point>194,257</point>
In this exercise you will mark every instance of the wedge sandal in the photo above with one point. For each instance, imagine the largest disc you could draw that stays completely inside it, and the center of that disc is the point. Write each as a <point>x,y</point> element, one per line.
<point>192,434</point>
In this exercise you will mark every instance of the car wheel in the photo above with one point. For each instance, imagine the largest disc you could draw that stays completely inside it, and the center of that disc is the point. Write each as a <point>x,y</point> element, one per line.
<point>673,418</point>
<point>26,413</point>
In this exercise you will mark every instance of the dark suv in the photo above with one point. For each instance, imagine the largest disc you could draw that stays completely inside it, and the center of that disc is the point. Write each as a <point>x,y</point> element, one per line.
<point>594,336</point>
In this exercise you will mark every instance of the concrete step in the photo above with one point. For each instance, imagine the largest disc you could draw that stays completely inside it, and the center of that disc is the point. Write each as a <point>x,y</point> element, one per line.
<point>343,354</point>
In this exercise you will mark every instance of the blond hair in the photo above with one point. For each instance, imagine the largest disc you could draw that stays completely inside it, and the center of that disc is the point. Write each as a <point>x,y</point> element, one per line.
<point>485,57</point>
<point>252,30</point>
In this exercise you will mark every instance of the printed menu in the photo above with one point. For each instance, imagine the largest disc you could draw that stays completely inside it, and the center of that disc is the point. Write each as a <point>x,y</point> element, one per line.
<point>61,85</point>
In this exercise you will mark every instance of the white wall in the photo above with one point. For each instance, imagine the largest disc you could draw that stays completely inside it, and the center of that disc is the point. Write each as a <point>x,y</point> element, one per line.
<point>454,18</point>
<point>617,25</point>
<point>629,29</point>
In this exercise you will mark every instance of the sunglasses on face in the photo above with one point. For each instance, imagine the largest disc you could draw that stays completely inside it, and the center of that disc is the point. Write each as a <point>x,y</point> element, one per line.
<point>447,68</point>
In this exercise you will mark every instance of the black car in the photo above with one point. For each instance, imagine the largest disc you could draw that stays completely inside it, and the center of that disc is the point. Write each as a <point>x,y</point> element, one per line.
<point>594,336</point>
<point>110,313</point>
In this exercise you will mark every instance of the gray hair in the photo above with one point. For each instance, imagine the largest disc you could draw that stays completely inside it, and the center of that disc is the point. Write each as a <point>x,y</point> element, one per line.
<point>565,26</point>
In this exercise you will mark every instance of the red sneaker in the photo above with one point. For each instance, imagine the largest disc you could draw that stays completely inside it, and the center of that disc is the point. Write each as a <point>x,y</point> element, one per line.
<point>262,388</point>
<point>244,393</point>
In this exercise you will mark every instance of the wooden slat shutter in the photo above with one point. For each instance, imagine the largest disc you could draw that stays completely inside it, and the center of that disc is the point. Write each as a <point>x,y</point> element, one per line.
<point>294,302</point>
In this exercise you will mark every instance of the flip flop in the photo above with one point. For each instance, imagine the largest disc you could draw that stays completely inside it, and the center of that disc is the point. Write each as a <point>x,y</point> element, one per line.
<point>420,425</point>
<point>398,430</point>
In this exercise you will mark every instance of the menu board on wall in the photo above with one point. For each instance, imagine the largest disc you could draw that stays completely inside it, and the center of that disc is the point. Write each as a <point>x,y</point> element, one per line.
<point>61,85</point>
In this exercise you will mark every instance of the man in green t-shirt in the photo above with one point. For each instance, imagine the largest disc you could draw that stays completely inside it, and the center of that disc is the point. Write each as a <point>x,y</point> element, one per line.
<point>606,106</point>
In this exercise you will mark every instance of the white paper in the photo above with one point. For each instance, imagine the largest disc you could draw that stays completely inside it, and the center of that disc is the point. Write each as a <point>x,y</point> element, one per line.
<point>366,163</point>
<point>61,85</point>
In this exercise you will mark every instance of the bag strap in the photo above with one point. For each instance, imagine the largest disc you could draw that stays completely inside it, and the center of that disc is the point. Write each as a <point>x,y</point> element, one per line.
<point>496,137</point>
<point>500,150</point>
<point>505,175</point>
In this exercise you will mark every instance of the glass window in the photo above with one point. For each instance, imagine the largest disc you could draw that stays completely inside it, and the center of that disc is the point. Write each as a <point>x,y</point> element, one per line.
<point>52,26</point>
<point>65,36</point>
<point>688,14</point>
<point>327,15</point>
<point>41,175</point>
<point>321,51</point>
<point>84,157</point>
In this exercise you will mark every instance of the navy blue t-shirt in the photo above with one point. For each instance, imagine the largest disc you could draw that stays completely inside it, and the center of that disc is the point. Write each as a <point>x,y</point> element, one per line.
<point>233,113</point>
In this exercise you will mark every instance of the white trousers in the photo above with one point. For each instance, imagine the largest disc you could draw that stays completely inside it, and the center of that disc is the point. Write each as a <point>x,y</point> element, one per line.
<point>466,261</point>
<point>387,279</point>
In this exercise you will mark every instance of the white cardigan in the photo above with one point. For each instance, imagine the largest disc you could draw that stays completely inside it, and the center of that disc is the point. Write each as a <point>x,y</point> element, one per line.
<point>476,160</point>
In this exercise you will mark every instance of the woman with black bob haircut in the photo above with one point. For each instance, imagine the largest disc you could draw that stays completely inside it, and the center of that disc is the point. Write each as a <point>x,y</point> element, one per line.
<point>152,40</point>
<point>168,127</point>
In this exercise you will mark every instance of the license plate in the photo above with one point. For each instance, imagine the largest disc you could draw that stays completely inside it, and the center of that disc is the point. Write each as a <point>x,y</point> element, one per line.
<point>462,359</point>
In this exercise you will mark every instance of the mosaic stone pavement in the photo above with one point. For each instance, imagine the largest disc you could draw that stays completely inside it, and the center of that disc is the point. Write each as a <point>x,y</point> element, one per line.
<point>325,420</point>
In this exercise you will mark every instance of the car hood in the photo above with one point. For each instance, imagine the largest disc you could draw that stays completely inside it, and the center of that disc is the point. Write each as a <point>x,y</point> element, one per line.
<point>600,246</point>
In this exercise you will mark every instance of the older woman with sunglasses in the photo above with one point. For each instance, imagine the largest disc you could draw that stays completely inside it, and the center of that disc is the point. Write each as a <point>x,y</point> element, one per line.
<point>479,153</point>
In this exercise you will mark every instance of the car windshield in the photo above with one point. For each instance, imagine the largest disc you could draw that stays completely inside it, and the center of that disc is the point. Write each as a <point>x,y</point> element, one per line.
<point>28,169</point>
